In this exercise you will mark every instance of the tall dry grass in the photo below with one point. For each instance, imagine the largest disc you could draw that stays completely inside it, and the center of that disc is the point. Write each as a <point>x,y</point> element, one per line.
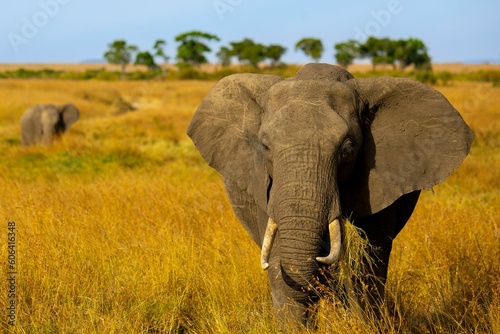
<point>122,228</point>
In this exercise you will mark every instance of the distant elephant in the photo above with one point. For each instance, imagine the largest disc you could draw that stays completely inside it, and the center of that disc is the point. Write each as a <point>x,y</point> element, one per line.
<point>299,155</point>
<point>42,122</point>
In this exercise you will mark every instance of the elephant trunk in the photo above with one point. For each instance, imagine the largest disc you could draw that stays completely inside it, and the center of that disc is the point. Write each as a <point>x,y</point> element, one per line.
<point>307,215</point>
<point>300,243</point>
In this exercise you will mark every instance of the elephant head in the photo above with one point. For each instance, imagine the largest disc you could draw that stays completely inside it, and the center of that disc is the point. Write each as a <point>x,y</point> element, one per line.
<point>41,123</point>
<point>299,154</point>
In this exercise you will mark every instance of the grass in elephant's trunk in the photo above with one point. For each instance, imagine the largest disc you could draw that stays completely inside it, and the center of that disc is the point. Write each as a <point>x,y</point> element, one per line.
<point>341,284</point>
<point>343,279</point>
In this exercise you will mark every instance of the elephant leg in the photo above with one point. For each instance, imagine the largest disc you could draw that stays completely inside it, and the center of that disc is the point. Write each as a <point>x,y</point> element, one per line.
<point>378,230</point>
<point>381,229</point>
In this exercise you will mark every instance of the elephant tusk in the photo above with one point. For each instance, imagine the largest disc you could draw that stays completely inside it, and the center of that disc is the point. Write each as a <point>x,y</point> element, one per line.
<point>335,243</point>
<point>268,243</point>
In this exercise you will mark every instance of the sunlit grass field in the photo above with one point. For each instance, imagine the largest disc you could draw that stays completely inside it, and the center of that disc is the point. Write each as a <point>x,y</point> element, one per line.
<point>121,227</point>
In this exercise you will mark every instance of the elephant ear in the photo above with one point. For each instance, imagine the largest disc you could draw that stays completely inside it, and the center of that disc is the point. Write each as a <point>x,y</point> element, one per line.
<point>413,139</point>
<point>70,114</point>
<point>225,130</point>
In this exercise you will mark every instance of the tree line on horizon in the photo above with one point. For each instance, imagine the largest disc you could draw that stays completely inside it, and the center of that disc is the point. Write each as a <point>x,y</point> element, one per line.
<point>194,46</point>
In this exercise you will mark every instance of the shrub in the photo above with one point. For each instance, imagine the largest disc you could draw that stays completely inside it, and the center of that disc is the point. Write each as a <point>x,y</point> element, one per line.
<point>108,76</point>
<point>426,77</point>
<point>191,73</point>
<point>445,77</point>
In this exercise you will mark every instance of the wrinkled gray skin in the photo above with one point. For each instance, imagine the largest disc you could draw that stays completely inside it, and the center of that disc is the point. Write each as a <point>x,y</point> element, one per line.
<point>323,145</point>
<point>41,123</point>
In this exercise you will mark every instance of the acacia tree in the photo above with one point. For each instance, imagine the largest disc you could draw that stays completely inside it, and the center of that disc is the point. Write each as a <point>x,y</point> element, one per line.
<point>274,52</point>
<point>248,51</point>
<point>191,50</point>
<point>346,52</point>
<point>145,58</point>
<point>120,53</point>
<point>402,52</point>
<point>159,52</point>
<point>379,50</point>
<point>224,54</point>
<point>312,47</point>
<point>411,51</point>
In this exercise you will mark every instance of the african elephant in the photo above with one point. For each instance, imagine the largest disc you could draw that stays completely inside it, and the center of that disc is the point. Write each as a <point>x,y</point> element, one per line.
<point>299,155</point>
<point>42,122</point>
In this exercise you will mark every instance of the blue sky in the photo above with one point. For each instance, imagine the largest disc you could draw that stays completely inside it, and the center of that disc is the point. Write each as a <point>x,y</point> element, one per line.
<point>57,31</point>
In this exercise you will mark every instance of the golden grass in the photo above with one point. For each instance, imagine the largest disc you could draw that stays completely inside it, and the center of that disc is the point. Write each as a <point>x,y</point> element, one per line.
<point>122,228</point>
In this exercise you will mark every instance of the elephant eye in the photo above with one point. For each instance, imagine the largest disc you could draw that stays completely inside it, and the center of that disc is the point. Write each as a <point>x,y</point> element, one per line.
<point>347,149</point>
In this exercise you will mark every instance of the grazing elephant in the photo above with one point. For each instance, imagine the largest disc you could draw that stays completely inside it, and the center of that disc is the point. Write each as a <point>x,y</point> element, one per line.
<point>42,122</point>
<point>299,155</point>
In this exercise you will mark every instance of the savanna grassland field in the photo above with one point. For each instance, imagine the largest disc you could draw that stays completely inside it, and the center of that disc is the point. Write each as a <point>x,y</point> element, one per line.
<point>121,227</point>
